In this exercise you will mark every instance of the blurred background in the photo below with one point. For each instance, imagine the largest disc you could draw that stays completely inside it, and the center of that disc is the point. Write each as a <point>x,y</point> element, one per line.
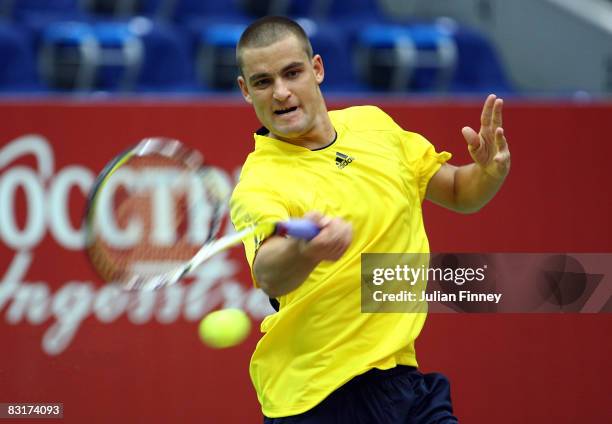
<point>80,80</point>
<point>523,47</point>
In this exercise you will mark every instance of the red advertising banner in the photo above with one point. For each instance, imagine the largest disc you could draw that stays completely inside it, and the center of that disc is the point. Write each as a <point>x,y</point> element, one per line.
<point>107,356</point>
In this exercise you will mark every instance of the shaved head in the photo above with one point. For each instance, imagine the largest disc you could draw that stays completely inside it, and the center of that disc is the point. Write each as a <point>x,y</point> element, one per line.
<point>268,30</point>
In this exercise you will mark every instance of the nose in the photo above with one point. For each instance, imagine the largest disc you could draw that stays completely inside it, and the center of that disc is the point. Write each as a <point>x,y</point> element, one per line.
<point>281,91</point>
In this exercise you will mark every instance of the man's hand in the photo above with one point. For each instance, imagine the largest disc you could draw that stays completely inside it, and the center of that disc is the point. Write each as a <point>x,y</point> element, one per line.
<point>333,240</point>
<point>488,147</point>
<point>282,264</point>
<point>468,188</point>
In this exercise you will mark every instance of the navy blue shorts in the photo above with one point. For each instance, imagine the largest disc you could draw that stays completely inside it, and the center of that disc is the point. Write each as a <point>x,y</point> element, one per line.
<point>401,395</point>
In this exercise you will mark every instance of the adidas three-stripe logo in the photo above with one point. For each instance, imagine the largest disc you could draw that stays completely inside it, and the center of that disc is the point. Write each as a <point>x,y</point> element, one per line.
<point>342,160</point>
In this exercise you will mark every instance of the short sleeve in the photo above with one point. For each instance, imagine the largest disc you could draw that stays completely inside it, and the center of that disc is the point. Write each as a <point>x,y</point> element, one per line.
<point>251,205</point>
<point>424,158</point>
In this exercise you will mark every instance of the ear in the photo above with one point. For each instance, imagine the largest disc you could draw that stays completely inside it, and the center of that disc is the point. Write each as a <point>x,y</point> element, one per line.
<point>319,70</point>
<point>244,89</point>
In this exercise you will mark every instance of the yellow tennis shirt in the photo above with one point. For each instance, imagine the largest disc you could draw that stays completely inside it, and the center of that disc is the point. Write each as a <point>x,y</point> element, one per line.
<point>374,176</point>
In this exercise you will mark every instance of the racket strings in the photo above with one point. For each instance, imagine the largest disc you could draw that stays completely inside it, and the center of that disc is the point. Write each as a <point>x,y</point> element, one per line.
<point>161,210</point>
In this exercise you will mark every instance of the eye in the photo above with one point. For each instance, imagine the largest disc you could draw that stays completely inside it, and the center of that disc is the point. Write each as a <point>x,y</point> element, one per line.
<point>261,83</point>
<point>293,73</point>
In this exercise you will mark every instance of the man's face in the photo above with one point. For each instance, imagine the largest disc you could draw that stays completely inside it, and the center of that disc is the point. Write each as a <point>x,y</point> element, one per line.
<point>282,84</point>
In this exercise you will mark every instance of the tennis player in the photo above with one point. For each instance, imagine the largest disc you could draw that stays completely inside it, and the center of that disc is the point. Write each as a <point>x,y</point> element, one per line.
<point>362,179</point>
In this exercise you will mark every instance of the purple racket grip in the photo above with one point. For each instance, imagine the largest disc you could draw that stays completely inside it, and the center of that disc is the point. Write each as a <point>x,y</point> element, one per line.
<point>298,228</point>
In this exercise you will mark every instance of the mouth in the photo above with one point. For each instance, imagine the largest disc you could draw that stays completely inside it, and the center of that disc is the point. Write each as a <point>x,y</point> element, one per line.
<point>285,111</point>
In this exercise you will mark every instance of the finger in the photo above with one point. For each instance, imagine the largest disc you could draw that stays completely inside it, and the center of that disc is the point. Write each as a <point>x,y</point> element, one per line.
<point>327,248</point>
<point>343,244</point>
<point>502,158</point>
<point>497,113</point>
<point>329,233</point>
<point>487,111</point>
<point>502,161</point>
<point>500,140</point>
<point>318,218</point>
<point>472,138</point>
<point>339,250</point>
<point>313,215</point>
<point>336,252</point>
<point>339,236</point>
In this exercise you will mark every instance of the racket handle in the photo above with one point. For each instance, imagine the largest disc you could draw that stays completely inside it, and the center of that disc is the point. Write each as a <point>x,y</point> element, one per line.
<point>298,228</point>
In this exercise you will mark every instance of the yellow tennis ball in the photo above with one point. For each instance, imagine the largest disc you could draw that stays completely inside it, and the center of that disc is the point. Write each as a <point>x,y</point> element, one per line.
<point>224,328</point>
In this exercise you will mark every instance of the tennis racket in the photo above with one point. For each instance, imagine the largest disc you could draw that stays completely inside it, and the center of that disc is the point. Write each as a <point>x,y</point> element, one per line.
<point>155,214</point>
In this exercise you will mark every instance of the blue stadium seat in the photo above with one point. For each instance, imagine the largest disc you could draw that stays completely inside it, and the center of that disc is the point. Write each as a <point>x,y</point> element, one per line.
<point>479,68</point>
<point>332,44</point>
<point>415,57</point>
<point>185,11</point>
<point>121,56</point>
<point>259,8</point>
<point>69,56</point>
<point>123,9</point>
<point>21,8</point>
<point>132,55</point>
<point>35,14</point>
<point>216,57</point>
<point>161,10</point>
<point>168,64</point>
<point>337,10</point>
<point>428,56</point>
<point>17,60</point>
<point>83,56</point>
<point>195,16</point>
<point>114,8</point>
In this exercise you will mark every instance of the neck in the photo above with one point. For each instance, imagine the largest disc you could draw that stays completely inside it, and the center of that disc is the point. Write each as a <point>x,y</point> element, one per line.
<point>321,134</point>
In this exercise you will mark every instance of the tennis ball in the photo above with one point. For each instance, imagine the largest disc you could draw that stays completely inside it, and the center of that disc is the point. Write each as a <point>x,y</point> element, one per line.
<point>224,328</point>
